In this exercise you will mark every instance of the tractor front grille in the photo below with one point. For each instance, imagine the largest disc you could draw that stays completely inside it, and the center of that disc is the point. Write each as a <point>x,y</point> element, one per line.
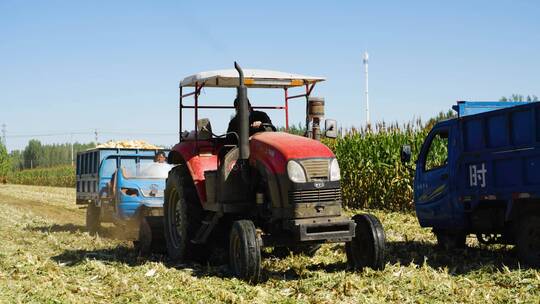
<point>316,169</point>
<point>315,196</point>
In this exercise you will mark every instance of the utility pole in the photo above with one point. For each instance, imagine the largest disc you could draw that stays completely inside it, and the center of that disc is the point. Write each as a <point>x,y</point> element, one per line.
<point>4,134</point>
<point>96,133</point>
<point>366,59</point>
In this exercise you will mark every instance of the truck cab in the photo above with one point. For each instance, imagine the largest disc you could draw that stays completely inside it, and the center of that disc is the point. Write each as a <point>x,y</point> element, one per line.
<point>478,174</point>
<point>432,193</point>
<point>125,187</point>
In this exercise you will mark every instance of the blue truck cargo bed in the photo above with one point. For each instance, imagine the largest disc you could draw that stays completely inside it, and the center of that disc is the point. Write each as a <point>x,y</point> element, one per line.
<point>500,154</point>
<point>465,108</point>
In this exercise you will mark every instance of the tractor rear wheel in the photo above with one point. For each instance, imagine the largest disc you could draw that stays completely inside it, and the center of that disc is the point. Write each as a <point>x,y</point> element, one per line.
<point>182,214</point>
<point>245,251</point>
<point>367,248</point>
<point>449,240</point>
<point>93,219</point>
<point>151,239</point>
<point>528,240</point>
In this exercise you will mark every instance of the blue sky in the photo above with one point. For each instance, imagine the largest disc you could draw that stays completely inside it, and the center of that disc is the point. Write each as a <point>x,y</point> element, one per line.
<point>73,66</point>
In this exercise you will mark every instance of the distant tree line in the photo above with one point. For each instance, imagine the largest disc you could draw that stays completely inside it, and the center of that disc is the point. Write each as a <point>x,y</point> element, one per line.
<point>519,97</point>
<point>5,163</point>
<point>38,155</point>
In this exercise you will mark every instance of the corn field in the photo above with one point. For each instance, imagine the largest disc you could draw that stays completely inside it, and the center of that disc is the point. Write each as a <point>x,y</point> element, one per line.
<point>61,176</point>
<point>372,175</point>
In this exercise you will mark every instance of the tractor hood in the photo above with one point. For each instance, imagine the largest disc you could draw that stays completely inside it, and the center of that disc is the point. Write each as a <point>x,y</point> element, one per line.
<point>276,148</point>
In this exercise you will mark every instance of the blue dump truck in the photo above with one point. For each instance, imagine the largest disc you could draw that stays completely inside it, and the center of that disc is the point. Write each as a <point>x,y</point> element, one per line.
<point>124,187</point>
<point>480,174</point>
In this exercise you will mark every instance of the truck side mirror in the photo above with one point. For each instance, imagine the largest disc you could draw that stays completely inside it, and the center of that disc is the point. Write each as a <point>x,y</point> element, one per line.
<point>330,128</point>
<point>405,154</point>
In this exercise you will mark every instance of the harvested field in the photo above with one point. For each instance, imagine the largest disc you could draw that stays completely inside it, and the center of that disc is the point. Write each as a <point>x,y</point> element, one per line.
<point>45,256</point>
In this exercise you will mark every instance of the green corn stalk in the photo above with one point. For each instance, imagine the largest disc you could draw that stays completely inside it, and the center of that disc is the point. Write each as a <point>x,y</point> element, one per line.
<point>61,176</point>
<point>372,175</point>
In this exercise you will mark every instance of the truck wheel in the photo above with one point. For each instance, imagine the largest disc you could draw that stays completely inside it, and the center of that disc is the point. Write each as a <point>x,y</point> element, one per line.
<point>181,214</point>
<point>528,240</point>
<point>449,240</point>
<point>93,219</point>
<point>151,238</point>
<point>245,251</point>
<point>367,248</point>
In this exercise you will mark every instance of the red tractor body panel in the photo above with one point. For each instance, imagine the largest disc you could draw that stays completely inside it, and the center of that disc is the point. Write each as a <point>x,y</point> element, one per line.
<point>198,160</point>
<point>273,149</point>
<point>276,148</point>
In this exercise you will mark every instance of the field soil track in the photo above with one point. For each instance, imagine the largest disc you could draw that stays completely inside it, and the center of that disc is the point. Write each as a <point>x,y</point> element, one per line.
<point>46,256</point>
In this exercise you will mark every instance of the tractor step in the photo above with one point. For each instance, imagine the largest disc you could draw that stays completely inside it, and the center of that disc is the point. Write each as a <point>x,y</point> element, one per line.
<point>207,225</point>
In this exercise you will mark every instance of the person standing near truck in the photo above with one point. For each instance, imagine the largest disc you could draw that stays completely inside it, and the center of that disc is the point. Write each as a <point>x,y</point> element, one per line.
<point>160,157</point>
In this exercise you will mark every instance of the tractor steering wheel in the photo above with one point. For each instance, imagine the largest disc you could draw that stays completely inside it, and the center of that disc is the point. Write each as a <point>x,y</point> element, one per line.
<point>267,127</point>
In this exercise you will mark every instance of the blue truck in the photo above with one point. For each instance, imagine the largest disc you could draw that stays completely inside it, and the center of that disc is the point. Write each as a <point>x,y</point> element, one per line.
<point>124,187</point>
<point>479,174</point>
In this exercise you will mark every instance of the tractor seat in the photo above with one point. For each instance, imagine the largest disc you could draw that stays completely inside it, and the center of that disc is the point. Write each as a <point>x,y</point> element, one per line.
<point>204,130</point>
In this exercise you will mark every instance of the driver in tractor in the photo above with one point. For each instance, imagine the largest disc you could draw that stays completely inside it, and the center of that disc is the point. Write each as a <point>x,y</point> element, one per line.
<point>257,119</point>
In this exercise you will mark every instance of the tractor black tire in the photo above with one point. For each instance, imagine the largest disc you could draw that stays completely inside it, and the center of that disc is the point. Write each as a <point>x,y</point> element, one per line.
<point>528,240</point>
<point>93,219</point>
<point>182,215</point>
<point>151,238</point>
<point>450,240</point>
<point>368,247</point>
<point>245,251</point>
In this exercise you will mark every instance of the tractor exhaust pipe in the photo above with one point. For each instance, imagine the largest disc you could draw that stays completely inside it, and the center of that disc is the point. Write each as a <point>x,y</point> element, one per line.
<point>243,115</point>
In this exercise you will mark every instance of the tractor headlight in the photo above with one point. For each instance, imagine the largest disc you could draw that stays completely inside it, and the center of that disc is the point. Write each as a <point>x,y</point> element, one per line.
<point>296,172</point>
<point>335,174</point>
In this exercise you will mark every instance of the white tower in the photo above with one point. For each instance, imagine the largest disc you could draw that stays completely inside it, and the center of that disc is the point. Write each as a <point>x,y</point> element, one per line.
<point>366,59</point>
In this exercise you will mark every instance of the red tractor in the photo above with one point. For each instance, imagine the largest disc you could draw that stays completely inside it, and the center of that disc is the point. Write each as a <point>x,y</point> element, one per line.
<point>270,189</point>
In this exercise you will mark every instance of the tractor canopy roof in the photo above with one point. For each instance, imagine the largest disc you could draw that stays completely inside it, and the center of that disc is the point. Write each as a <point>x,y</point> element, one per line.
<point>252,79</point>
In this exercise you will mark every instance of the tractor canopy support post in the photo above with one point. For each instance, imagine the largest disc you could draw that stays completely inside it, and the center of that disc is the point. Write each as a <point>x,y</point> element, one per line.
<point>180,117</point>
<point>286,109</point>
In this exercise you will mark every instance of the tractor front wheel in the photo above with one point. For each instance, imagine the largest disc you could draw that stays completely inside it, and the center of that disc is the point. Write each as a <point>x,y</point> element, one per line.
<point>528,240</point>
<point>245,251</point>
<point>367,248</point>
<point>93,219</point>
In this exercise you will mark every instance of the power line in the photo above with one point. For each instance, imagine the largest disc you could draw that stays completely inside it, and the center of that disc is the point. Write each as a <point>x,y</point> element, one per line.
<point>44,134</point>
<point>96,133</point>
<point>139,133</point>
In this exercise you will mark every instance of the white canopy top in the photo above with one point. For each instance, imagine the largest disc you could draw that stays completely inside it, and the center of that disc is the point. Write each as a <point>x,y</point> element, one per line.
<point>252,79</point>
